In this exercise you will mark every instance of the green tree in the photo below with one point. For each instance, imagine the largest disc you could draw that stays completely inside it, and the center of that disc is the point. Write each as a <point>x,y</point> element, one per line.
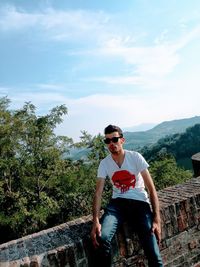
<point>165,172</point>
<point>30,167</point>
<point>181,146</point>
<point>96,152</point>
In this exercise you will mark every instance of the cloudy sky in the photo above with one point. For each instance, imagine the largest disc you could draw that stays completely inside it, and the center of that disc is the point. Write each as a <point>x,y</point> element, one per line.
<point>110,61</point>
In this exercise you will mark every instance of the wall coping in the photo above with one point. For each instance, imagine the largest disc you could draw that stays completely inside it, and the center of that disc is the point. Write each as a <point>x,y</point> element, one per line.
<point>196,156</point>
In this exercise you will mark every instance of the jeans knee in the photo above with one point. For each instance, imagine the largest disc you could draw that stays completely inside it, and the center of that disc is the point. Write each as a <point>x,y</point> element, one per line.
<point>104,244</point>
<point>104,237</point>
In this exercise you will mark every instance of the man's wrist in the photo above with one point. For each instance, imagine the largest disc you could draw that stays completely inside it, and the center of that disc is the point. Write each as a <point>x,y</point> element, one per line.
<point>95,220</point>
<point>156,217</point>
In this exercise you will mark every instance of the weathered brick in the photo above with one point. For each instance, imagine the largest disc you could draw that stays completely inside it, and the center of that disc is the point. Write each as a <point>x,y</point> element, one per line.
<point>69,245</point>
<point>34,264</point>
<point>71,257</point>
<point>62,256</point>
<point>182,224</point>
<point>192,244</point>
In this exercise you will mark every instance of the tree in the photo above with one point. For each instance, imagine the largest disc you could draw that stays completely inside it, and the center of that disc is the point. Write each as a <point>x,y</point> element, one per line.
<point>181,146</point>
<point>96,152</point>
<point>165,172</point>
<point>31,165</point>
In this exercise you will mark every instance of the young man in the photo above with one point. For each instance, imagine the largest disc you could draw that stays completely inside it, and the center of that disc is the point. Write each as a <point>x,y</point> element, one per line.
<point>128,172</point>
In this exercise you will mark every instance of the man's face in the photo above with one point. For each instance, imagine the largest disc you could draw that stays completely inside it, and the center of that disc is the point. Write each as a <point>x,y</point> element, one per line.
<point>115,142</point>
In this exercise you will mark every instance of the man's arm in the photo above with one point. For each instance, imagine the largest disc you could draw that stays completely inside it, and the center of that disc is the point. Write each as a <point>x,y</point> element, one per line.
<point>96,228</point>
<point>156,228</point>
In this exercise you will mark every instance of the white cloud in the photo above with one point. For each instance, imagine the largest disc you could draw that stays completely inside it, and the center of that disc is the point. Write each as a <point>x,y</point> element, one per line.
<point>123,80</point>
<point>43,101</point>
<point>156,60</point>
<point>94,112</point>
<point>177,99</point>
<point>12,19</point>
<point>56,24</point>
<point>52,87</point>
<point>3,91</point>
<point>148,65</point>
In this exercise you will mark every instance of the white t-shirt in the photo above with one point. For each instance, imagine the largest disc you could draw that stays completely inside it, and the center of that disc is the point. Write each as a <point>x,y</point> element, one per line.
<point>126,180</point>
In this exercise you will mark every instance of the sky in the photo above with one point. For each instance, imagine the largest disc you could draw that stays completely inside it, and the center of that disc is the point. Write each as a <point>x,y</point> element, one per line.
<point>118,62</point>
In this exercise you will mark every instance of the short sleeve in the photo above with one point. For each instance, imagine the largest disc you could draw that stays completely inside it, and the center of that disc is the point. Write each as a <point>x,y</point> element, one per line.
<point>101,172</point>
<point>141,163</point>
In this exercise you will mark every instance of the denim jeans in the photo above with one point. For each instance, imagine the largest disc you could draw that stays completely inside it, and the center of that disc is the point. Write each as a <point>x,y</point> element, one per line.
<point>139,215</point>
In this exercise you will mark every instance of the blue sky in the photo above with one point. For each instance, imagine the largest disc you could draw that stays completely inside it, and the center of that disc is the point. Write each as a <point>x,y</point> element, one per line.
<point>121,62</point>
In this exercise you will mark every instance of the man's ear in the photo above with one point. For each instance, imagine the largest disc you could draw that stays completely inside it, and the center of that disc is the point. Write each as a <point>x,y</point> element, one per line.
<point>123,140</point>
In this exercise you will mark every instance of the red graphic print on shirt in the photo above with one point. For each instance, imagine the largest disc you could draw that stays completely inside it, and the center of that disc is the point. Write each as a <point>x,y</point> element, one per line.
<point>123,180</point>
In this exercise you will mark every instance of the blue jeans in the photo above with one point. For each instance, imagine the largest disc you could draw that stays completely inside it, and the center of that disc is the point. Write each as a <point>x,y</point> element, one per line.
<point>139,215</point>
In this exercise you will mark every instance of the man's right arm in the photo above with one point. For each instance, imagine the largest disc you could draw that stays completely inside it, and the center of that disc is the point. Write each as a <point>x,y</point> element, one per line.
<point>96,228</point>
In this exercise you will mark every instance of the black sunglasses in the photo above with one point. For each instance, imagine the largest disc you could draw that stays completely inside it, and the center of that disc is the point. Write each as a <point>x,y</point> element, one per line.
<point>113,139</point>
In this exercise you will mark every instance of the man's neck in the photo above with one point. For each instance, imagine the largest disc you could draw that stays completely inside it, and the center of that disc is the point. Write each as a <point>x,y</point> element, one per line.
<point>118,157</point>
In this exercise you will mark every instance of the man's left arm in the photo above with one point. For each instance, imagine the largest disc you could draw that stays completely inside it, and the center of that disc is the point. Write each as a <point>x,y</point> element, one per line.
<point>156,228</point>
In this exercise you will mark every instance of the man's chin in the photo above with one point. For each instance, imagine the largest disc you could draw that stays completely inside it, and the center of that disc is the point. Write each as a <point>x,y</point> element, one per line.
<point>113,151</point>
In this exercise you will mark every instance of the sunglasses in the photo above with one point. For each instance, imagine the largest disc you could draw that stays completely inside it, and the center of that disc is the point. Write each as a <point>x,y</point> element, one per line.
<point>113,139</point>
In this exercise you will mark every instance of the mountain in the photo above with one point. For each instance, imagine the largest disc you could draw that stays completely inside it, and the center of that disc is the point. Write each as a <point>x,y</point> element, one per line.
<point>140,127</point>
<point>181,145</point>
<point>77,154</point>
<point>136,140</point>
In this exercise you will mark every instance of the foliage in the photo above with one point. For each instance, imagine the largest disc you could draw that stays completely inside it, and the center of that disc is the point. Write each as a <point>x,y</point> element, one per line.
<point>31,162</point>
<point>137,140</point>
<point>97,151</point>
<point>165,172</point>
<point>39,187</point>
<point>181,146</point>
<point>95,145</point>
<point>150,138</point>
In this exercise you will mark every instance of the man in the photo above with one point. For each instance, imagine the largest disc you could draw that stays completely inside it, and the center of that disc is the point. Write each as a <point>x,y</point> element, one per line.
<point>128,172</point>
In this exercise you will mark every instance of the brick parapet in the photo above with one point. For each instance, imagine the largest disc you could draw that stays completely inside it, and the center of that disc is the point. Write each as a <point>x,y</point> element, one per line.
<point>69,245</point>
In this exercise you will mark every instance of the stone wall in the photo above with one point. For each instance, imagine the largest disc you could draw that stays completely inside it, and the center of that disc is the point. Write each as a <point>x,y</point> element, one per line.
<point>68,245</point>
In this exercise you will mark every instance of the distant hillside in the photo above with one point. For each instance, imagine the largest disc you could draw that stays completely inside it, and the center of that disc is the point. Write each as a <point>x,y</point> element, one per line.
<point>136,140</point>
<point>181,145</point>
<point>140,127</point>
<point>78,153</point>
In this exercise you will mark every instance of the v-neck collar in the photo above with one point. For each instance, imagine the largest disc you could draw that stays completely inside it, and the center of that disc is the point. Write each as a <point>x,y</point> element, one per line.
<point>119,166</point>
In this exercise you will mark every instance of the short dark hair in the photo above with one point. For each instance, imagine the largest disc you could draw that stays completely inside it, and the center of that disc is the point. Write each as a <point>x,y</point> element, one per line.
<point>113,128</point>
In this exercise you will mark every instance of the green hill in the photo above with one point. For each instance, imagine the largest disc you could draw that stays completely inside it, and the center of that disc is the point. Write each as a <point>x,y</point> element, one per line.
<point>181,145</point>
<point>136,140</point>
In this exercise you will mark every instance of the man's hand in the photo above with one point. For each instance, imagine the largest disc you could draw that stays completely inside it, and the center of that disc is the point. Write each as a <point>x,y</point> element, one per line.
<point>156,229</point>
<point>95,233</point>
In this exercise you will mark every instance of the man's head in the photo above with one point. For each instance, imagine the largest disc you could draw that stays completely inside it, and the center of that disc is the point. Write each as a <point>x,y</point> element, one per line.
<point>114,138</point>
<point>113,128</point>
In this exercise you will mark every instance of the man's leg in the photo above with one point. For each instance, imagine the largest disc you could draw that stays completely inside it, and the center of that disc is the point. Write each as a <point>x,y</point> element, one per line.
<point>140,216</point>
<point>147,238</point>
<point>109,224</point>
